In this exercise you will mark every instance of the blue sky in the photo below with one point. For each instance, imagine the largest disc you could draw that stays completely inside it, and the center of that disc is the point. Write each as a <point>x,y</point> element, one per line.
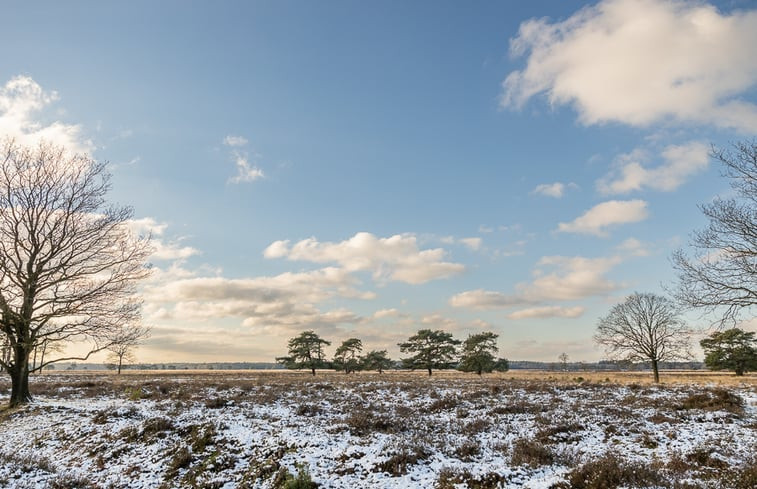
<point>369,169</point>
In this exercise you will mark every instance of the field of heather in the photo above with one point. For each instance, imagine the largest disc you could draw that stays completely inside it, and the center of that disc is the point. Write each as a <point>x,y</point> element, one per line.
<point>398,430</point>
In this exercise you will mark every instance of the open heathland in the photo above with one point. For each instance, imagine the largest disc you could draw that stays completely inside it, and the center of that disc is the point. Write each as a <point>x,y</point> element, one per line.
<point>401,429</point>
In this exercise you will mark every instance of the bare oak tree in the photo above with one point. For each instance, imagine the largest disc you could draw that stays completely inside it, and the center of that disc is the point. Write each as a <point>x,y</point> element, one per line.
<point>124,343</point>
<point>69,264</point>
<point>721,273</point>
<point>644,327</point>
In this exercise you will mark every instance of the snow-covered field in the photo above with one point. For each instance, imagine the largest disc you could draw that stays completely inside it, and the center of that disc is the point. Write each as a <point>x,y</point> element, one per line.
<point>245,430</point>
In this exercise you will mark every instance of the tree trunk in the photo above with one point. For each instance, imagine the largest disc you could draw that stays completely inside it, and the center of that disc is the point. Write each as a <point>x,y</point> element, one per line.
<point>20,377</point>
<point>739,371</point>
<point>312,370</point>
<point>656,371</point>
<point>120,360</point>
<point>429,371</point>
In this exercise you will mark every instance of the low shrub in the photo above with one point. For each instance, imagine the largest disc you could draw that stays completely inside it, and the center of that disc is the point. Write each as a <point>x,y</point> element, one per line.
<point>445,403</point>
<point>216,403</point>
<point>181,458</point>
<point>531,452</point>
<point>610,472</point>
<point>363,423</point>
<point>714,400</point>
<point>468,450</point>
<point>398,463</point>
<point>453,479</point>
<point>565,433</point>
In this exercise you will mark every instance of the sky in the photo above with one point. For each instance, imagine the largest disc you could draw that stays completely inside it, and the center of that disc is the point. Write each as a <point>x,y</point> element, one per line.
<point>369,169</point>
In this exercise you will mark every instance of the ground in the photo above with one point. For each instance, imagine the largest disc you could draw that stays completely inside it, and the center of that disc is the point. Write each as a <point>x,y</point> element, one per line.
<point>396,430</point>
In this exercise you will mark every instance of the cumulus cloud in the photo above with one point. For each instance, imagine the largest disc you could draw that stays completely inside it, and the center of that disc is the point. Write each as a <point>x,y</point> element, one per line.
<point>395,258</point>
<point>163,249</point>
<point>556,278</point>
<point>570,278</point>
<point>548,312</point>
<point>640,62</point>
<point>632,173</point>
<point>288,300</point>
<point>23,102</point>
<point>556,190</point>
<point>481,299</point>
<point>596,220</point>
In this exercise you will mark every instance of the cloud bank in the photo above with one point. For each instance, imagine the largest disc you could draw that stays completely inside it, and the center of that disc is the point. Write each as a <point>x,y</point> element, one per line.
<point>396,258</point>
<point>641,62</point>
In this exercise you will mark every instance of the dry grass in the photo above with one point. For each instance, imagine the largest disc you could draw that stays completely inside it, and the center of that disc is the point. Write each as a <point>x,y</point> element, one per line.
<point>622,377</point>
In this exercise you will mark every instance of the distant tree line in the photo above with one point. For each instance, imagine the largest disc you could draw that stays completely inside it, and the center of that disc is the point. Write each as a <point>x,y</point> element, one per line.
<point>429,350</point>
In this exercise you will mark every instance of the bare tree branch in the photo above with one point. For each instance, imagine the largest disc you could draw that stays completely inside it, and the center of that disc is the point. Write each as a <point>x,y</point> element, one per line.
<point>720,274</point>
<point>69,265</point>
<point>644,327</point>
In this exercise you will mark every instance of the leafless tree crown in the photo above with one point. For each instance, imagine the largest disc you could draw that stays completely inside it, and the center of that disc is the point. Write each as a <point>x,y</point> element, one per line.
<point>721,272</point>
<point>69,264</point>
<point>644,327</point>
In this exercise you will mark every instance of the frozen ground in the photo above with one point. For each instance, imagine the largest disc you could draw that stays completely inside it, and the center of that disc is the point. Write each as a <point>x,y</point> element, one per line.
<point>248,430</point>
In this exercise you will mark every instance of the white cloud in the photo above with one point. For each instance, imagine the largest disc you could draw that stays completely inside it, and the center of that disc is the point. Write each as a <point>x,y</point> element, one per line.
<point>171,250</point>
<point>288,300</point>
<point>481,299</point>
<point>556,190</point>
<point>631,172</point>
<point>481,324</point>
<point>22,102</point>
<point>472,243</point>
<point>607,214</point>
<point>395,258</point>
<point>640,62</point>
<point>246,172</point>
<point>548,312</point>
<point>556,278</point>
<point>569,278</point>
<point>386,313</point>
<point>633,247</point>
<point>437,321</point>
<point>162,249</point>
<point>235,141</point>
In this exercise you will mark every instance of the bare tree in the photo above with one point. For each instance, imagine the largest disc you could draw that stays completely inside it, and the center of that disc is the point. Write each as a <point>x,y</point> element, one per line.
<point>645,327</point>
<point>122,348</point>
<point>721,274</point>
<point>563,357</point>
<point>69,264</point>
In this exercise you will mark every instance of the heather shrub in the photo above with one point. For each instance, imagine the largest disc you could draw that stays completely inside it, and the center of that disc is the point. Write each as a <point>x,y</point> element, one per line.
<point>610,472</point>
